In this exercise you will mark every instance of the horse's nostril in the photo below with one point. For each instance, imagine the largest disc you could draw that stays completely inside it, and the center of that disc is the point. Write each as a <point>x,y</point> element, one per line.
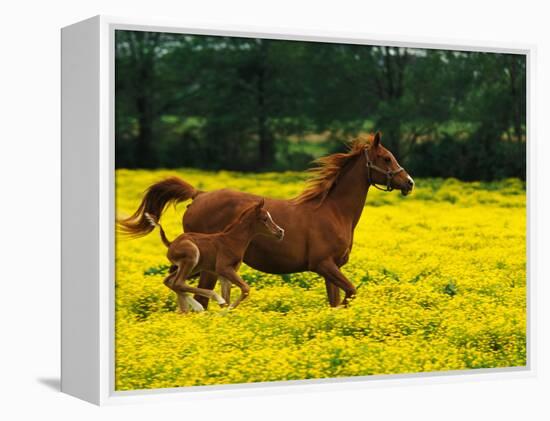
<point>411,183</point>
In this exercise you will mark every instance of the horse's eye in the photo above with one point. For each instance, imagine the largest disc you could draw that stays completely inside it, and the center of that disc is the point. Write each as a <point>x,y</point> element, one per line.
<point>388,160</point>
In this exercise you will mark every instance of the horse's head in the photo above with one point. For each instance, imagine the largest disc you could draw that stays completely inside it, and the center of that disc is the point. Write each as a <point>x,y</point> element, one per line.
<point>383,169</point>
<point>263,223</point>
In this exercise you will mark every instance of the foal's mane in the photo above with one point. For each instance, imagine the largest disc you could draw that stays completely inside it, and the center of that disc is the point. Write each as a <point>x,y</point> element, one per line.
<point>329,168</point>
<point>239,218</point>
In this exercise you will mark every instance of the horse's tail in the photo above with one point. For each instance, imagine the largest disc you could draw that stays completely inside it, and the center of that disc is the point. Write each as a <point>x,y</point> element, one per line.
<point>156,198</point>
<point>154,223</point>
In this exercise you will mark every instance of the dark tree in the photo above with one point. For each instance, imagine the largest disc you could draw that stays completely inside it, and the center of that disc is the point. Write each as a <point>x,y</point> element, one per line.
<point>256,104</point>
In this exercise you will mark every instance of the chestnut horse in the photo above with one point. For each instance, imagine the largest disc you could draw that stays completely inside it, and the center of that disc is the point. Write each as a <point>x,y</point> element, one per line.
<point>220,254</point>
<point>318,224</point>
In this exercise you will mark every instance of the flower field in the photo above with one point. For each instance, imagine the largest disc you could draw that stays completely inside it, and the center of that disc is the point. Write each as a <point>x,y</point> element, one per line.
<point>444,288</point>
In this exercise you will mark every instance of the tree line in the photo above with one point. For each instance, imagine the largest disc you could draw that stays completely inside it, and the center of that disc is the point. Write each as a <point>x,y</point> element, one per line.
<point>256,104</point>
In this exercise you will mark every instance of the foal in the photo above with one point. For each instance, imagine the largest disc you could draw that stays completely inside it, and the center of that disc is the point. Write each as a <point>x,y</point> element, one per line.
<point>219,253</point>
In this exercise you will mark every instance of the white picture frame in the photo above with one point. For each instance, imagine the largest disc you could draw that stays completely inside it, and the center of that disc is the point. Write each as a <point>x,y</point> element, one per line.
<point>88,214</point>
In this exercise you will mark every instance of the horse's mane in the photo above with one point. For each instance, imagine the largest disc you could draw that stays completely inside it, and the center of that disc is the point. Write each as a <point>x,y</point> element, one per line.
<point>328,169</point>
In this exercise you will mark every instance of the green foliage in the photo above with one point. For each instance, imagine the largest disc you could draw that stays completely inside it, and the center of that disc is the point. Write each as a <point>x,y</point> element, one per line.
<point>156,270</point>
<point>450,289</point>
<point>467,159</point>
<point>249,104</point>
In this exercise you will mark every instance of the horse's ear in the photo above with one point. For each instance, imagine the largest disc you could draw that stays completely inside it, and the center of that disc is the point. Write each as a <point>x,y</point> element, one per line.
<point>260,204</point>
<point>376,140</point>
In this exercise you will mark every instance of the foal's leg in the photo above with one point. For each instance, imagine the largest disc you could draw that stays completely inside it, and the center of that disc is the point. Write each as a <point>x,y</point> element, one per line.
<point>179,285</point>
<point>330,271</point>
<point>169,280</point>
<point>176,283</point>
<point>183,304</point>
<point>206,281</point>
<point>234,278</point>
<point>226,290</point>
<point>200,292</point>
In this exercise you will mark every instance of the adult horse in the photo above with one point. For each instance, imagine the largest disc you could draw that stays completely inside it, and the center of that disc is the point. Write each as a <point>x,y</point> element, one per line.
<point>319,223</point>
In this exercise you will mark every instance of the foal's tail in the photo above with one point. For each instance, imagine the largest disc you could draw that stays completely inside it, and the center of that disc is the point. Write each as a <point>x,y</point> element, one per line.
<point>155,200</point>
<point>154,223</point>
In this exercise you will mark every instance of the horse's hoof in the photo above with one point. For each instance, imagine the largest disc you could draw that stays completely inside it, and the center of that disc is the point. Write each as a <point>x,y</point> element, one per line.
<point>194,304</point>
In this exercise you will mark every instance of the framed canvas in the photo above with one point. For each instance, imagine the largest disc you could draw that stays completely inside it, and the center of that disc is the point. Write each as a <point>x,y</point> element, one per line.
<point>274,268</point>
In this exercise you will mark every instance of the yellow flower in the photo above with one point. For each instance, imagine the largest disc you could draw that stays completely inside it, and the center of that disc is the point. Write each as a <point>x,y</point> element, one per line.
<point>443,289</point>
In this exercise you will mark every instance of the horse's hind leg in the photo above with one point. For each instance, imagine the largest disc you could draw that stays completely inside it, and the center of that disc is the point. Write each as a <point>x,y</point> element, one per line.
<point>183,304</point>
<point>200,292</point>
<point>176,282</point>
<point>182,289</point>
<point>207,281</point>
<point>169,280</point>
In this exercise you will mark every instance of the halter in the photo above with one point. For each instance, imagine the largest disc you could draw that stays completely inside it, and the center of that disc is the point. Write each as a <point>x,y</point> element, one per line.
<point>388,173</point>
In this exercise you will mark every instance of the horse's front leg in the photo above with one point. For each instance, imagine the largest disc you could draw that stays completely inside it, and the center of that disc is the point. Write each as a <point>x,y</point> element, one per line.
<point>230,275</point>
<point>331,272</point>
<point>333,293</point>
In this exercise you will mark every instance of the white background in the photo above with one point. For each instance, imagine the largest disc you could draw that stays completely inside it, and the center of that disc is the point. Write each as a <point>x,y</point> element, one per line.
<point>29,205</point>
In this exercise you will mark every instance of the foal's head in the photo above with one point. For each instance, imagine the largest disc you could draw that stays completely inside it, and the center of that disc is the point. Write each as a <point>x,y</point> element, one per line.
<point>261,221</point>
<point>383,168</point>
